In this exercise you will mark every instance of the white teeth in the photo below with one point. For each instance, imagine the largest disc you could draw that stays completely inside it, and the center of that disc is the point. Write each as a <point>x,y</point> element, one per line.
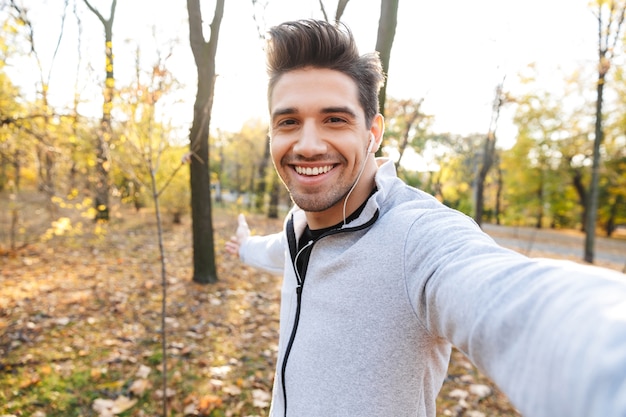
<point>313,171</point>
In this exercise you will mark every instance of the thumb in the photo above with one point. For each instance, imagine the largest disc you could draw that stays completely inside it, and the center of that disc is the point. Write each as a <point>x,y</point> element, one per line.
<point>243,231</point>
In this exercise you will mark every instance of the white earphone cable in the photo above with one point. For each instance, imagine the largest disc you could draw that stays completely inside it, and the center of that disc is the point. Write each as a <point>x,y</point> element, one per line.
<point>345,202</point>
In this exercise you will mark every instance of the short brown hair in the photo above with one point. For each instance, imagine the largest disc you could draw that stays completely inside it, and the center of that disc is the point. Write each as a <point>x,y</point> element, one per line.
<point>319,44</point>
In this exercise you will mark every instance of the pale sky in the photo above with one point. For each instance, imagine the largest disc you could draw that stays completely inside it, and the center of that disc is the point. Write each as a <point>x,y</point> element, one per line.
<point>451,53</point>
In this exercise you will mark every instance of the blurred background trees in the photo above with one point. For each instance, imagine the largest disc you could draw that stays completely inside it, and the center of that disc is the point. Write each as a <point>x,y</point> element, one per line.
<point>58,153</point>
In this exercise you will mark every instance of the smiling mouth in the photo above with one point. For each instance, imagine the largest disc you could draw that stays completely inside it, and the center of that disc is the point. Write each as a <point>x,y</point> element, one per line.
<point>313,171</point>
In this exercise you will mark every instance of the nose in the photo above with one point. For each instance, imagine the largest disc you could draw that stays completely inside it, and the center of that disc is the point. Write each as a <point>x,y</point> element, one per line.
<point>310,142</point>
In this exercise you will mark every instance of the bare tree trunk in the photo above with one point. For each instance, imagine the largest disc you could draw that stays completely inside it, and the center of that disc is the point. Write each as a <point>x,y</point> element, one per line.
<point>386,34</point>
<point>489,150</point>
<point>611,222</point>
<point>220,173</point>
<point>498,203</point>
<point>15,221</point>
<point>261,186</point>
<point>205,271</point>
<point>103,162</point>
<point>592,209</point>
<point>17,169</point>
<point>13,198</point>
<point>49,178</point>
<point>607,39</point>
<point>4,163</point>
<point>272,211</point>
<point>540,196</point>
<point>251,186</point>
<point>577,182</point>
<point>479,185</point>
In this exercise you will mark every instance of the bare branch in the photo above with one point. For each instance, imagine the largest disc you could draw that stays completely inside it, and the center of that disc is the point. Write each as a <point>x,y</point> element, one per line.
<point>341,7</point>
<point>260,31</point>
<point>112,13</point>
<point>58,45</point>
<point>172,176</point>
<point>620,22</point>
<point>323,10</point>
<point>96,12</point>
<point>21,15</point>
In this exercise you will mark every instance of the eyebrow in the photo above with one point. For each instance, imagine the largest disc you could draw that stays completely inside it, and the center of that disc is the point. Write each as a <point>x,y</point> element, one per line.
<point>284,111</point>
<point>326,110</point>
<point>342,109</point>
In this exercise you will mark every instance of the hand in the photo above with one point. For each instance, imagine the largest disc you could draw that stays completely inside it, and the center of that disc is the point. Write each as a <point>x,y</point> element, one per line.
<point>241,235</point>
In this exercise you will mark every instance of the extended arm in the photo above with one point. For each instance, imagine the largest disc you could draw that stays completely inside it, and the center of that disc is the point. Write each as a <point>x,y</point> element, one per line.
<point>551,335</point>
<point>263,252</point>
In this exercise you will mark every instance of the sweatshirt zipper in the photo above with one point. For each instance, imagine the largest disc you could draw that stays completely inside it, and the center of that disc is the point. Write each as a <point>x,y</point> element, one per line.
<point>300,285</point>
<point>294,329</point>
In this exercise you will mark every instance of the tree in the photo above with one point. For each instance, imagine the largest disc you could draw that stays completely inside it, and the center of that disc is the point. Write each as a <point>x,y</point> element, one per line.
<point>488,156</point>
<point>38,124</point>
<point>609,27</point>
<point>458,159</point>
<point>386,34</point>
<point>406,126</point>
<point>616,148</point>
<point>103,163</point>
<point>274,187</point>
<point>535,158</point>
<point>387,24</point>
<point>202,224</point>
<point>261,183</point>
<point>576,154</point>
<point>144,150</point>
<point>341,7</point>
<point>10,149</point>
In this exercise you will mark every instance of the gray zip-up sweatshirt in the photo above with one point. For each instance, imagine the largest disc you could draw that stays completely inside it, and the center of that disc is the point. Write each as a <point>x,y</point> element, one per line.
<point>384,298</point>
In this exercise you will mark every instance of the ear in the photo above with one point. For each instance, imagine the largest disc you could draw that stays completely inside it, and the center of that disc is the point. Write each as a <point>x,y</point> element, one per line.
<point>376,130</point>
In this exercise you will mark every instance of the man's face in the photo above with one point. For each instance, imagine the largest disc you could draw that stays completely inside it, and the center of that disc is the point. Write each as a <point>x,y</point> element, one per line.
<point>318,137</point>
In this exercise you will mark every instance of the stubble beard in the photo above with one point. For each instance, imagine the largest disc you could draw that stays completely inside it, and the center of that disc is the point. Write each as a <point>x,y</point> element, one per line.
<point>316,199</point>
<point>319,201</point>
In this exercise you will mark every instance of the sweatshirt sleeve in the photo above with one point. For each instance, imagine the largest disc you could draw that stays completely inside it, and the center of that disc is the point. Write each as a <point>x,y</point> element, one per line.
<point>264,252</point>
<point>551,334</point>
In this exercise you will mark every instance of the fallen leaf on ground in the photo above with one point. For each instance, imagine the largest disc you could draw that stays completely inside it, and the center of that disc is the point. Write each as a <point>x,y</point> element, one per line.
<point>232,390</point>
<point>480,390</point>
<point>169,393</point>
<point>139,386</point>
<point>208,403</point>
<point>261,398</point>
<point>143,371</point>
<point>109,408</point>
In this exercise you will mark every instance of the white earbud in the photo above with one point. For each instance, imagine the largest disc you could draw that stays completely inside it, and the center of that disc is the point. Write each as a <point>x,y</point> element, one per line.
<point>372,143</point>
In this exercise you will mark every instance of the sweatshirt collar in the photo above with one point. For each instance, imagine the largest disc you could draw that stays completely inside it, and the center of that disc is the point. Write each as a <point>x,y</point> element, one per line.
<point>385,174</point>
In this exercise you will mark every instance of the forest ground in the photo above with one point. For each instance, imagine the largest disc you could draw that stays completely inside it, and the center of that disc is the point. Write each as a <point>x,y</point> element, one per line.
<point>80,319</point>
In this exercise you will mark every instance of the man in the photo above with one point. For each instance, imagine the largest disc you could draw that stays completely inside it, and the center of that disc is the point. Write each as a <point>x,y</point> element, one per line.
<point>380,279</point>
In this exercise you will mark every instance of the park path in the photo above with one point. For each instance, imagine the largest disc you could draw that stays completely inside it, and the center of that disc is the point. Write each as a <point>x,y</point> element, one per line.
<point>568,244</point>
